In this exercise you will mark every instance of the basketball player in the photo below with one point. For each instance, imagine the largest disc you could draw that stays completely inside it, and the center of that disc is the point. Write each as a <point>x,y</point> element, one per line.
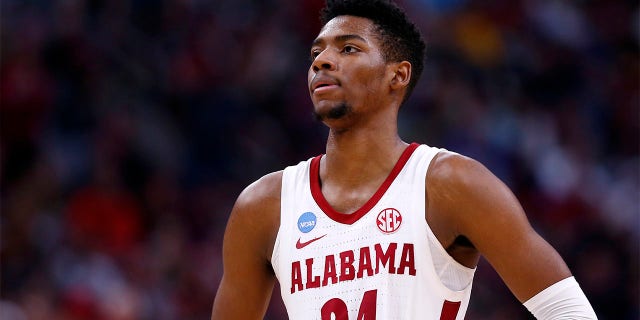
<point>377,228</point>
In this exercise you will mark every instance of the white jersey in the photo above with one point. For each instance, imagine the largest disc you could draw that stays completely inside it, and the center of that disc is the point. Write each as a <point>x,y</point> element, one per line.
<point>380,262</point>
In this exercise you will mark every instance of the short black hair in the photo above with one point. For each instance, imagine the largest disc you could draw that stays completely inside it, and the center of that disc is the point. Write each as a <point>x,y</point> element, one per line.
<point>401,40</point>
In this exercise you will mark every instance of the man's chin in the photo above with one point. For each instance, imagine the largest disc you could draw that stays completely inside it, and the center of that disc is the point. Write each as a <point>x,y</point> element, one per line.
<point>336,112</point>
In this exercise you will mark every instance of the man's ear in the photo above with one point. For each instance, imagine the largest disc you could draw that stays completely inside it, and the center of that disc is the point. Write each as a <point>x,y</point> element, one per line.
<point>401,75</point>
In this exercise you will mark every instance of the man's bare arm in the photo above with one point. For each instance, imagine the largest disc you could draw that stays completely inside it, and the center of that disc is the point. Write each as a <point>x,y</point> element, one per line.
<point>475,204</point>
<point>247,281</point>
<point>468,200</point>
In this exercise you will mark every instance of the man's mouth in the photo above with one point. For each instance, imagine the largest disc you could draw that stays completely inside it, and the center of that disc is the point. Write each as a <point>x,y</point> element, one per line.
<point>323,83</point>
<point>324,87</point>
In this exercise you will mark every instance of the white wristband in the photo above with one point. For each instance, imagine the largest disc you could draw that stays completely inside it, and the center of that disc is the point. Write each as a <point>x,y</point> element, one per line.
<point>562,300</point>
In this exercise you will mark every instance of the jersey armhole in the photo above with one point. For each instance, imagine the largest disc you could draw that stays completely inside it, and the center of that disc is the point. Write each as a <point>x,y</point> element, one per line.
<point>453,275</point>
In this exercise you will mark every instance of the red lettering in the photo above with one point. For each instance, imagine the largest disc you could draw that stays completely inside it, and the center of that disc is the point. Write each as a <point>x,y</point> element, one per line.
<point>386,258</point>
<point>329,270</point>
<point>296,276</point>
<point>334,309</point>
<point>365,262</point>
<point>347,271</point>
<point>389,220</point>
<point>368,309</point>
<point>407,260</point>
<point>312,282</point>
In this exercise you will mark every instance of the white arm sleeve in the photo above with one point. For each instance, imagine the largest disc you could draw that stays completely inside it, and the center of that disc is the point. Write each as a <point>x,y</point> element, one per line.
<point>562,300</point>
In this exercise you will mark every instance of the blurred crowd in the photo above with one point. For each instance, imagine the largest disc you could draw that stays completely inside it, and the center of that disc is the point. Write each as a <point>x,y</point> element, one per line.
<point>128,128</point>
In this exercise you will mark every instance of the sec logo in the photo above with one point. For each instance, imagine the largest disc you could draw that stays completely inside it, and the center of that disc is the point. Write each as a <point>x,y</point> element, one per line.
<point>389,220</point>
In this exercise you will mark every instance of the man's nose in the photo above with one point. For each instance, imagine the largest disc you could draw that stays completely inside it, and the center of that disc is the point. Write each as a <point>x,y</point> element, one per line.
<point>324,61</point>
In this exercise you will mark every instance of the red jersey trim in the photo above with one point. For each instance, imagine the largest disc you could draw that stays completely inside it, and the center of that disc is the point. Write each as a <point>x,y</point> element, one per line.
<point>450,310</point>
<point>316,190</point>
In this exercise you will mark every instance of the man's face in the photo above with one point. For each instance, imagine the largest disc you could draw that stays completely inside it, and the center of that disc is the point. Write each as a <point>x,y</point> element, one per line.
<point>347,74</point>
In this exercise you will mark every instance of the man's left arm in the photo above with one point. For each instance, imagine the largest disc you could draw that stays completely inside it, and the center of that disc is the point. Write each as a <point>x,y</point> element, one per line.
<point>483,209</point>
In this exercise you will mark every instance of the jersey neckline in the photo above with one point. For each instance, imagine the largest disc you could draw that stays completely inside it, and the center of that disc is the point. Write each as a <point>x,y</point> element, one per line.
<point>316,190</point>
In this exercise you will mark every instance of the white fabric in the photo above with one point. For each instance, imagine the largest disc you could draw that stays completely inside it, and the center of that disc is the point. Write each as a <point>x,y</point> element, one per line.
<point>394,291</point>
<point>452,274</point>
<point>562,300</point>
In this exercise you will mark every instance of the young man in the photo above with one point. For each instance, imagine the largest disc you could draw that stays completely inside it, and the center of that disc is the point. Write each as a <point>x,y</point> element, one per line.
<point>377,228</point>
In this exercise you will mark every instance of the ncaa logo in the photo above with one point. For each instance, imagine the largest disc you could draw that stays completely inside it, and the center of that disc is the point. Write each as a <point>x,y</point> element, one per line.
<point>307,222</point>
<point>389,220</point>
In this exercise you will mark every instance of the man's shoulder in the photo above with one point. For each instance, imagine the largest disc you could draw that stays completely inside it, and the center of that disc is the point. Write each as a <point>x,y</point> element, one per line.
<point>258,205</point>
<point>253,223</point>
<point>267,188</point>
<point>448,167</point>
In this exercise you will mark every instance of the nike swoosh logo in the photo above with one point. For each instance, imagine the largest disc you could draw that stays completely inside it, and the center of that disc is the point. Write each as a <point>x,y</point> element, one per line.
<point>300,245</point>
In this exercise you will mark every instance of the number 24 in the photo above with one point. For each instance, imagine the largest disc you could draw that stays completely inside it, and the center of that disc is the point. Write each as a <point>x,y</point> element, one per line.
<point>337,307</point>
<point>367,310</point>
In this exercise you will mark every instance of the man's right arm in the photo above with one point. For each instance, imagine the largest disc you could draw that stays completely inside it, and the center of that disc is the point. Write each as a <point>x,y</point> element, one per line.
<point>247,281</point>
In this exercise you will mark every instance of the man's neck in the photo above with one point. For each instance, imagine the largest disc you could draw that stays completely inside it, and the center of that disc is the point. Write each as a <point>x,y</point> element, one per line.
<point>355,166</point>
<point>356,155</point>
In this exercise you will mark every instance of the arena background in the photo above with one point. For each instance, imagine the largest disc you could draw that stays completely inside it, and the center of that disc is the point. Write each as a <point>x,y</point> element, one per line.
<point>128,128</point>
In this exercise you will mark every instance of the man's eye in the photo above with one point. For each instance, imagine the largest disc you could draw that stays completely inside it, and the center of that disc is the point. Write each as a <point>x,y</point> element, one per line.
<point>314,54</point>
<point>349,49</point>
